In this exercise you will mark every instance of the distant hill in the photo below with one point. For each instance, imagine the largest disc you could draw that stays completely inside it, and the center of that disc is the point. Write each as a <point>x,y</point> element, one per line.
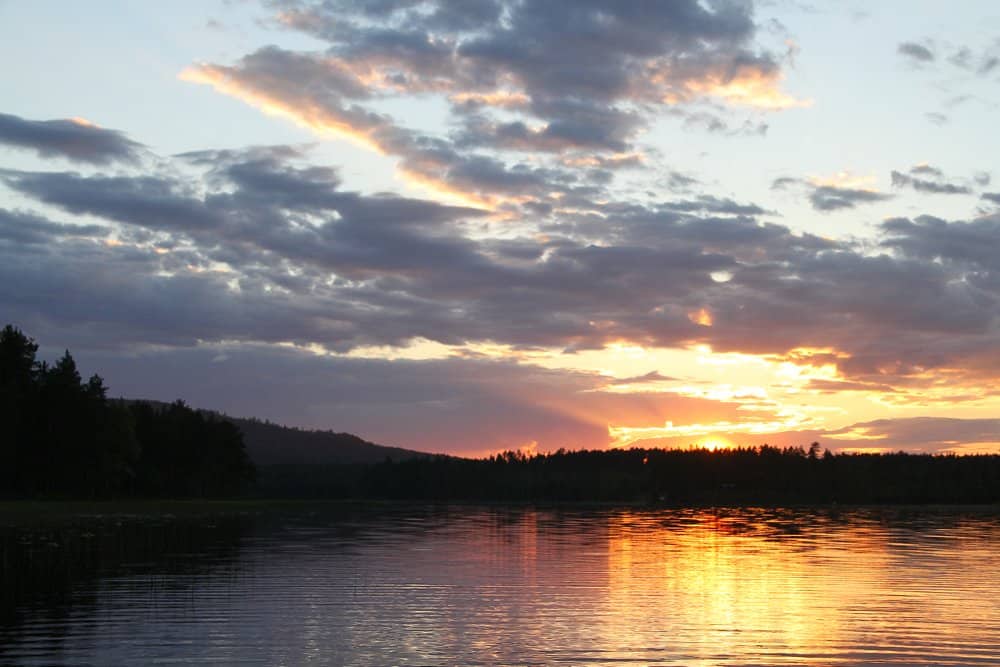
<point>272,444</point>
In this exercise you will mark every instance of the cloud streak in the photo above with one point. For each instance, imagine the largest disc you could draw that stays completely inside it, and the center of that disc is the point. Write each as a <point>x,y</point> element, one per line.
<point>74,139</point>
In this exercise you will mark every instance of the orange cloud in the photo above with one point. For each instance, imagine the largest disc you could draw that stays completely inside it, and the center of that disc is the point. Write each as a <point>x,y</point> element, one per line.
<point>83,122</point>
<point>702,317</point>
<point>302,112</point>
<point>503,99</point>
<point>749,86</point>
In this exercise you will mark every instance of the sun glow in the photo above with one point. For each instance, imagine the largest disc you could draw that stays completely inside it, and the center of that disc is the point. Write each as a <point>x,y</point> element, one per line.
<point>715,443</point>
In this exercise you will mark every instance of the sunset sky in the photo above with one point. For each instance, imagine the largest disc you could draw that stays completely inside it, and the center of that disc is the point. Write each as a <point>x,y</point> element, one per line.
<point>476,225</point>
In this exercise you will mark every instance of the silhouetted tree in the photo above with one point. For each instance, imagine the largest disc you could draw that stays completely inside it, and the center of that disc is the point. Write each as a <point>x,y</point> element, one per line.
<point>185,453</point>
<point>18,371</point>
<point>62,437</point>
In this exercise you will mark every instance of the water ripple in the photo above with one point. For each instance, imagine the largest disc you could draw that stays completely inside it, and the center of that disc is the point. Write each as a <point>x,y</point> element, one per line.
<point>339,585</point>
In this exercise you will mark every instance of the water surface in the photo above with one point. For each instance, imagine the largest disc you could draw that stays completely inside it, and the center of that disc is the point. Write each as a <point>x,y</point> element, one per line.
<point>395,585</point>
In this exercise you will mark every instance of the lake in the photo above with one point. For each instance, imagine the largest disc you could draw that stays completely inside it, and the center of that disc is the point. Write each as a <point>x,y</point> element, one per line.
<point>348,584</point>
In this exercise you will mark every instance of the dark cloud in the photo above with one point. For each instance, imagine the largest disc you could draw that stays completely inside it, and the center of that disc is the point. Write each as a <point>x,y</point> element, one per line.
<point>978,61</point>
<point>901,180</point>
<point>712,204</point>
<point>926,170</point>
<point>973,244</point>
<point>677,181</point>
<point>993,197</point>
<point>982,63</point>
<point>932,435</point>
<point>147,201</point>
<point>828,198</point>
<point>28,229</point>
<point>717,123</point>
<point>72,139</point>
<point>832,198</point>
<point>584,127</point>
<point>916,52</point>
<point>988,65</point>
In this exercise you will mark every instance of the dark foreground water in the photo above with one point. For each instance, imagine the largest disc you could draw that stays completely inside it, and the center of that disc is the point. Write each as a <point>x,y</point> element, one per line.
<point>391,585</point>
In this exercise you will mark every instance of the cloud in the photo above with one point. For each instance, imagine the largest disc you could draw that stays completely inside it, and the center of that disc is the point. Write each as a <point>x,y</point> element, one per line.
<point>935,186</point>
<point>980,62</point>
<point>514,78</point>
<point>716,123</point>
<point>924,435</point>
<point>926,170</point>
<point>74,139</point>
<point>28,229</point>
<point>712,204</point>
<point>921,435</point>
<point>260,246</point>
<point>916,53</point>
<point>968,244</point>
<point>583,128</point>
<point>680,182</point>
<point>652,376</point>
<point>837,386</point>
<point>932,435</point>
<point>830,194</point>
<point>148,201</point>
<point>832,198</point>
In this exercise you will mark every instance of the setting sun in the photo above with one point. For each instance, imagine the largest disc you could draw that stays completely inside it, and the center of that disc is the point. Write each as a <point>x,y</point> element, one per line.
<point>713,444</point>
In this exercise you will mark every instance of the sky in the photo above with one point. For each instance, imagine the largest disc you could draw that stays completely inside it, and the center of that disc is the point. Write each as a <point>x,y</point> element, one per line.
<point>469,226</point>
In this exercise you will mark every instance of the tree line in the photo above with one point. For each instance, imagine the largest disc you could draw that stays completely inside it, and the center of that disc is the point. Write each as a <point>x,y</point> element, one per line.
<point>742,475</point>
<point>763,475</point>
<point>62,437</point>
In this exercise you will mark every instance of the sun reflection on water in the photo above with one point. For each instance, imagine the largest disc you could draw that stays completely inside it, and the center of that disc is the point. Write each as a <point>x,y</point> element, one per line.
<point>548,586</point>
<point>713,587</point>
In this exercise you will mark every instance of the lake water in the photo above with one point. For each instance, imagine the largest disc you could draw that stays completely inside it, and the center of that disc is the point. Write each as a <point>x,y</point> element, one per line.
<point>391,585</point>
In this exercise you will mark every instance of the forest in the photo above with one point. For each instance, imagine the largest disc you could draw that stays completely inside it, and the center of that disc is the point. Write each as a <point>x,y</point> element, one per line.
<point>62,437</point>
<point>761,475</point>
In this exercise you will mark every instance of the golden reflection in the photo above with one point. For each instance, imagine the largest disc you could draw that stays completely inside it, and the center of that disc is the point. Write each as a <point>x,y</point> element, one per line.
<point>748,583</point>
